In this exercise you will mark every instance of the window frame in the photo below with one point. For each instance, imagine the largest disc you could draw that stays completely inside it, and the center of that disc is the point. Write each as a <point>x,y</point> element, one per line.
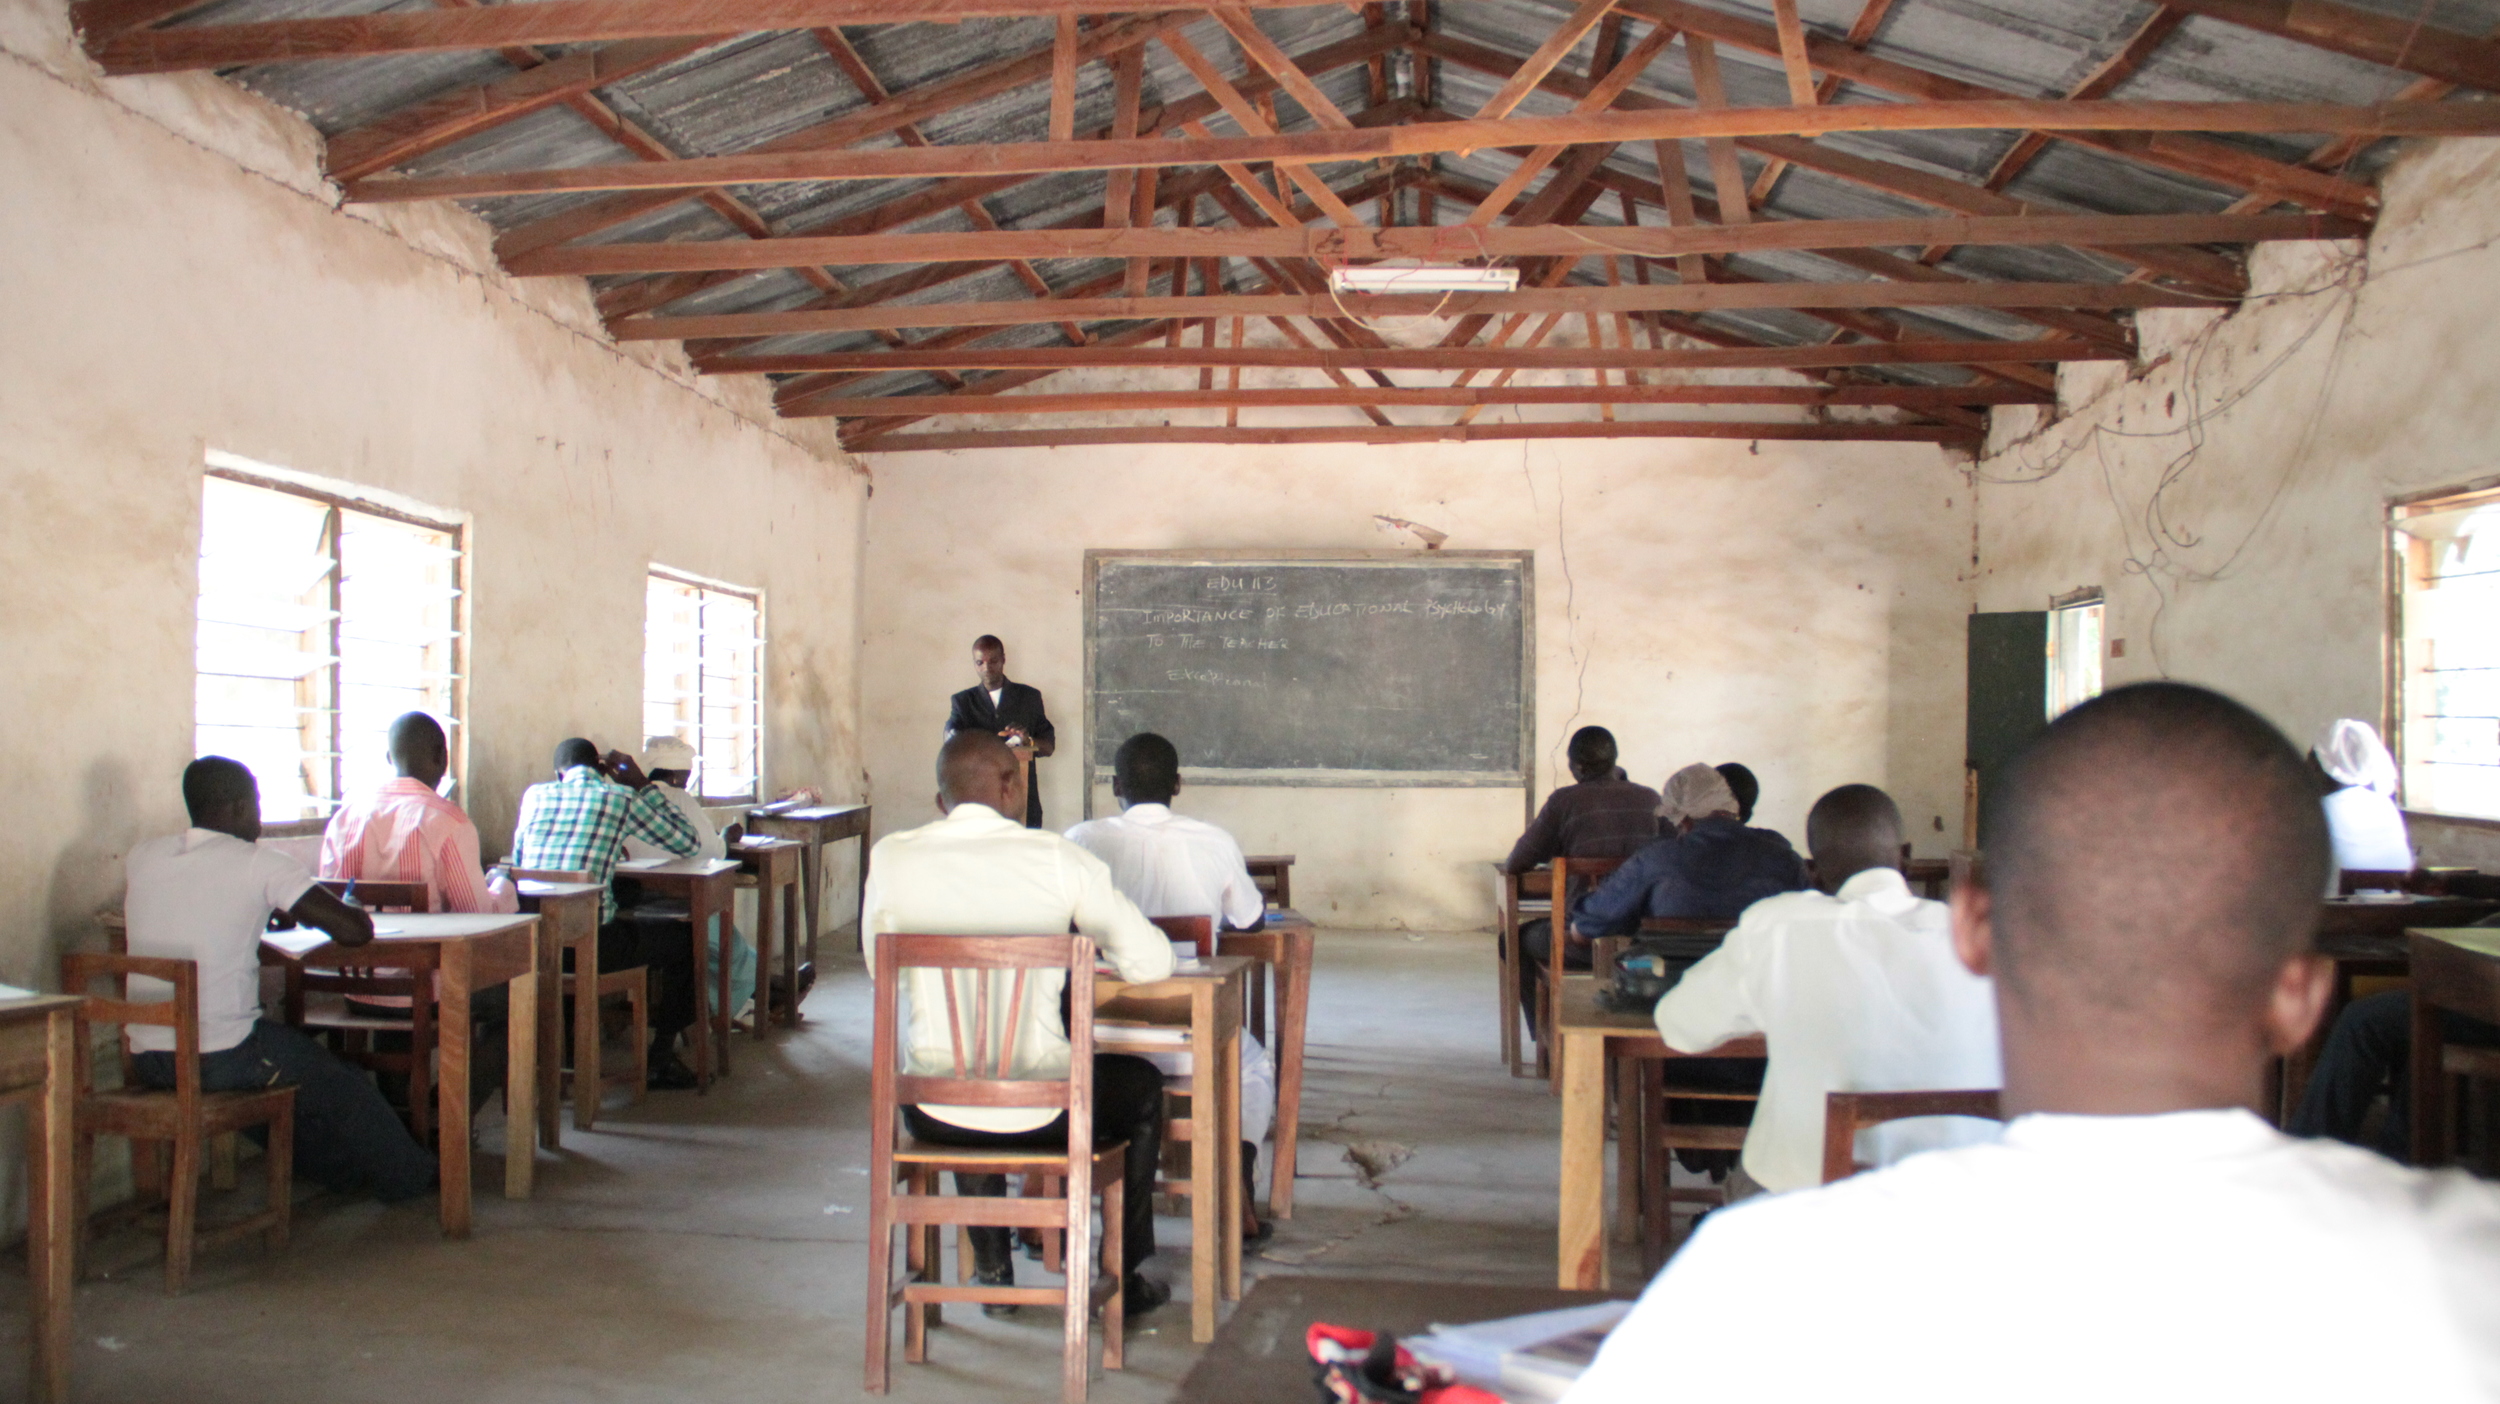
<point>2397,584</point>
<point>753,595</point>
<point>338,500</point>
<point>2092,596</point>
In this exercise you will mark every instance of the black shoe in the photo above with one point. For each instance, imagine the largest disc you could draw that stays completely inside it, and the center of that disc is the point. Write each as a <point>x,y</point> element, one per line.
<point>1142,1294</point>
<point>994,1265</point>
<point>669,1073</point>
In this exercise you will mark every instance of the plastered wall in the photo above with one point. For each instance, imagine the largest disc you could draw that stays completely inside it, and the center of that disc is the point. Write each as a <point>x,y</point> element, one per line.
<point>2230,497</point>
<point>177,279</point>
<point>1797,608</point>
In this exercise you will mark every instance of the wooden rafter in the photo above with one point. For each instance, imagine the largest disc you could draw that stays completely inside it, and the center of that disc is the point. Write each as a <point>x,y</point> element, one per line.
<point>1861,33</point>
<point>1601,95</point>
<point>1420,434</point>
<point>2392,40</point>
<point>1548,55</point>
<point>1417,358</point>
<point>1321,397</point>
<point>455,116</point>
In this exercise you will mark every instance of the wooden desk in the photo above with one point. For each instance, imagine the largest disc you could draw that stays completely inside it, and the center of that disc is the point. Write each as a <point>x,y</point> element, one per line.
<point>467,953</point>
<point>1208,1002</point>
<point>2455,969</point>
<point>1259,1357</point>
<point>816,826</point>
<point>777,865</point>
<point>1933,877</point>
<point>1589,1035</point>
<point>2346,916</point>
<point>709,888</point>
<point>1285,946</point>
<point>568,920</point>
<point>1273,873</point>
<point>38,1043</point>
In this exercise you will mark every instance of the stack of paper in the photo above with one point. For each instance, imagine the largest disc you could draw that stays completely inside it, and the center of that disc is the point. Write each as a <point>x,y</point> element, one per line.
<point>1525,1359</point>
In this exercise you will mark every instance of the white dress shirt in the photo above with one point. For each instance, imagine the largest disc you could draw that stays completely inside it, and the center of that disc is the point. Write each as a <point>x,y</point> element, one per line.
<point>205,896</point>
<point>2195,1257</point>
<point>976,873</point>
<point>1172,865</point>
<point>1855,992</point>
<point>2369,833</point>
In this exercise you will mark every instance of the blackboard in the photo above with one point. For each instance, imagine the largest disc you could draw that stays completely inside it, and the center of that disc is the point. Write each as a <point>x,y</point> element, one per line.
<point>1284,668</point>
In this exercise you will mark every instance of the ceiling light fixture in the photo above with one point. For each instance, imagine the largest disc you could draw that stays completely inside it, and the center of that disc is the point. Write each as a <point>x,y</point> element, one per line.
<point>1422,278</point>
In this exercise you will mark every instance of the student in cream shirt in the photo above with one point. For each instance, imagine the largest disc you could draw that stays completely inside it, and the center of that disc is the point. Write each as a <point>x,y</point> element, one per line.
<point>1855,988</point>
<point>2138,1234</point>
<point>976,872</point>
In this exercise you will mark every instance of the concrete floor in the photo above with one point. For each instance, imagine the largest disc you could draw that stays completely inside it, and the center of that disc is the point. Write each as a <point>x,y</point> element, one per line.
<point>709,1247</point>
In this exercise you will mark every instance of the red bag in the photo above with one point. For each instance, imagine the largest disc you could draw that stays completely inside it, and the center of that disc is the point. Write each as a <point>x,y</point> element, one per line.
<point>1366,1367</point>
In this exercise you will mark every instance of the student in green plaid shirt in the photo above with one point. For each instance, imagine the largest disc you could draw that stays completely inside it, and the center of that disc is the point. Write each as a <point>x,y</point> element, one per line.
<point>578,822</point>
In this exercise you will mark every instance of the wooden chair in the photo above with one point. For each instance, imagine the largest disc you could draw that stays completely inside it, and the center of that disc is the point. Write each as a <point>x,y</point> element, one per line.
<point>317,1001</point>
<point>904,1172</point>
<point>1660,1135</point>
<point>1845,1114</point>
<point>185,1117</point>
<point>632,984</point>
<point>1585,873</point>
<point>1523,895</point>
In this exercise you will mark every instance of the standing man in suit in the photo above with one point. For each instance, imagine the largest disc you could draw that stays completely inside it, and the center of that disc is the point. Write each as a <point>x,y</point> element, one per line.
<point>1010,710</point>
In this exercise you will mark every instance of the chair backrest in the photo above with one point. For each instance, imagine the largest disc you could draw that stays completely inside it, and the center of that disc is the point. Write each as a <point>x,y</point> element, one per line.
<point>383,896</point>
<point>1534,885</point>
<point>1845,1114</point>
<point>180,1012</point>
<point>1196,932</point>
<point>983,979</point>
<point>1573,876</point>
<point>2352,880</point>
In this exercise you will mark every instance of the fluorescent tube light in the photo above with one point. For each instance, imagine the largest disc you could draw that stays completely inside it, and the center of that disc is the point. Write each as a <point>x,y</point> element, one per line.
<point>1423,278</point>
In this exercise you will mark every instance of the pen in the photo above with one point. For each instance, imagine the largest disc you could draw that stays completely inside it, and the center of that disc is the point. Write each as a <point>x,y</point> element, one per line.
<point>349,896</point>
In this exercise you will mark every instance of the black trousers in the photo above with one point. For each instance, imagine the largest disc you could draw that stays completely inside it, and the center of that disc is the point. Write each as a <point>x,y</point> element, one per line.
<point>1128,1106</point>
<point>664,945</point>
<point>1536,946</point>
<point>2370,1050</point>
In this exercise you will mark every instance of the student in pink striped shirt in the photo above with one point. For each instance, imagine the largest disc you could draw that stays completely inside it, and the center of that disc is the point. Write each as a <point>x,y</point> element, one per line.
<point>405,832</point>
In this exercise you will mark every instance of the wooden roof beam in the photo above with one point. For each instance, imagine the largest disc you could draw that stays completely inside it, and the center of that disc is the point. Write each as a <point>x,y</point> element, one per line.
<point>1444,396</point>
<point>2396,42</point>
<point>1948,353</point>
<point>1421,434</point>
<point>1547,56</point>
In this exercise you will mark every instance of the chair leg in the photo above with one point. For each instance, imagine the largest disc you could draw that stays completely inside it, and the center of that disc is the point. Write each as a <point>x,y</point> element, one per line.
<point>919,1265</point>
<point>1074,1366</point>
<point>1054,1243</point>
<point>1114,1186</point>
<point>82,1194</point>
<point>221,1158</point>
<point>182,1212</point>
<point>281,1156</point>
<point>879,1363</point>
<point>147,1169</point>
<point>638,1000</point>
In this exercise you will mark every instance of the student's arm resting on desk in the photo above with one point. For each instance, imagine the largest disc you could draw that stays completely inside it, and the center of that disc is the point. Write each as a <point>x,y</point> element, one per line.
<point>650,817</point>
<point>1615,907</point>
<point>1136,947</point>
<point>346,925</point>
<point>1711,1004</point>
<point>465,887</point>
<point>1244,908</point>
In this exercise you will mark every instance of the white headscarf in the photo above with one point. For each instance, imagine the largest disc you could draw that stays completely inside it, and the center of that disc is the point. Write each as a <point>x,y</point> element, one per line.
<point>667,753</point>
<point>1696,792</point>
<point>2352,753</point>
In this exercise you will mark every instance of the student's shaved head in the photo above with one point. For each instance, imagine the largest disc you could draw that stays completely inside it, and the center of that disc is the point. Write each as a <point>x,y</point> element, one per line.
<point>974,767</point>
<point>1850,830</point>
<point>418,747</point>
<point>2155,859</point>
<point>575,750</point>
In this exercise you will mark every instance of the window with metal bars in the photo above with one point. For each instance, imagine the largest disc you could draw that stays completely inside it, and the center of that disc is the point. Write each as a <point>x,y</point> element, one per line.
<point>703,680</point>
<point>321,618</point>
<point>2446,559</point>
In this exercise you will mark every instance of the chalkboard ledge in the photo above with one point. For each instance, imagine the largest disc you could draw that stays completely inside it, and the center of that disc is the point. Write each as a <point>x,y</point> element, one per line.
<point>1345,779</point>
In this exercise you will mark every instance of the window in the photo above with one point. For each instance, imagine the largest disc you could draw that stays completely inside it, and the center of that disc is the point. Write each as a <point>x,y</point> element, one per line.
<point>321,618</point>
<point>2446,557</point>
<point>2074,650</point>
<point>702,670</point>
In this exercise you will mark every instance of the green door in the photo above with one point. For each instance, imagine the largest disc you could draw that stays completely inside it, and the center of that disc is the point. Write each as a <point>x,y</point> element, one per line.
<point>2009,695</point>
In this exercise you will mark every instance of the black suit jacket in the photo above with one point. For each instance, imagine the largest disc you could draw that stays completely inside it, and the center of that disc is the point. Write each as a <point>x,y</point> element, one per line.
<point>1018,706</point>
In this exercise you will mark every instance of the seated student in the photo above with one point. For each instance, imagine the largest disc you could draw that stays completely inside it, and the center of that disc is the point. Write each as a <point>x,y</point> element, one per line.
<point>406,832</point>
<point>2362,820</point>
<point>206,896</point>
<point>1742,783</point>
<point>669,761</point>
<point>578,822</point>
<point>2369,1051</point>
<point>1855,987</point>
<point>1601,814</point>
<point>1711,867</point>
<point>977,872</point>
<point>1173,865</point>
<point>2138,1233</point>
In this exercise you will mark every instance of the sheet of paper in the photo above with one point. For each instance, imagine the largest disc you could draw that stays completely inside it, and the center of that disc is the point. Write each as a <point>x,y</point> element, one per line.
<point>295,942</point>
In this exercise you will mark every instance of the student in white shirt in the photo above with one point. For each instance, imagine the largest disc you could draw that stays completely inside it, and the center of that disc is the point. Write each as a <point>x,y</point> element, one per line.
<point>205,896</point>
<point>1172,865</point>
<point>2362,819</point>
<point>2138,1233</point>
<point>669,762</point>
<point>976,872</point>
<point>1856,988</point>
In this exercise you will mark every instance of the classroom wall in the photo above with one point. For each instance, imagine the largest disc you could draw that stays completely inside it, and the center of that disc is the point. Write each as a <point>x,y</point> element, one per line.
<point>2354,374</point>
<point>1794,606</point>
<point>178,279</point>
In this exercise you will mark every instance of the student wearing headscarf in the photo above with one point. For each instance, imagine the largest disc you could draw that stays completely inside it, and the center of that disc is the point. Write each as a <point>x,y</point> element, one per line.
<point>1710,866</point>
<point>2361,817</point>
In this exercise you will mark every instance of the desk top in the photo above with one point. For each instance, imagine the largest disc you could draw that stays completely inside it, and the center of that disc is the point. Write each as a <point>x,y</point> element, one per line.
<point>2483,941</point>
<point>1276,917</point>
<point>532,887</point>
<point>1581,1013</point>
<point>15,1011</point>
<point>763,843</point>
<point>1259,1357</point>
<point>1267,860</point>
<point>1213,970</point>
<point>676,867</point>
<point>809,814</point>
<point>390,927</point>
<point>2345,916</point>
